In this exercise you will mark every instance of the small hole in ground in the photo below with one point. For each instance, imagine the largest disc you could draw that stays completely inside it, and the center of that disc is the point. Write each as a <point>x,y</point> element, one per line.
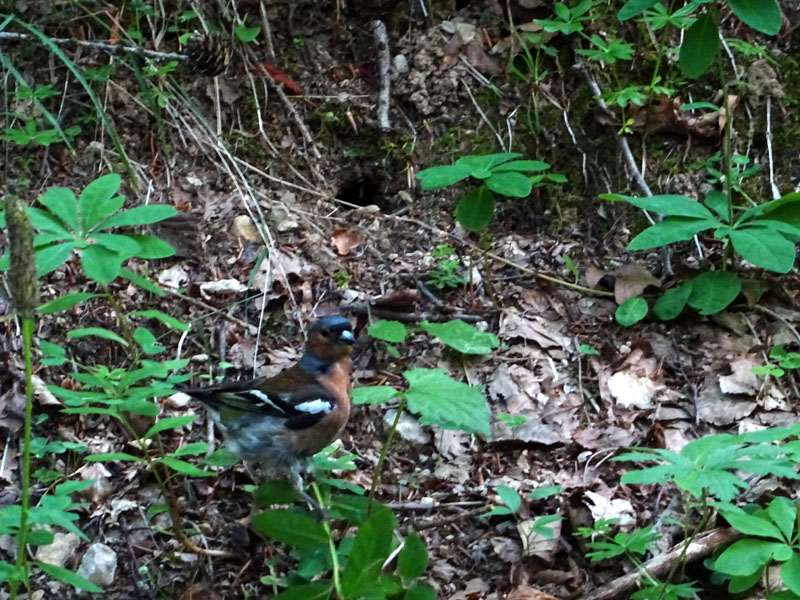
<point>362,191</point>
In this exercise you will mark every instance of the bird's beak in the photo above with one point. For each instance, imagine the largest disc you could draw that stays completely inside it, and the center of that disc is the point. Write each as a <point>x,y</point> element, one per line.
<point>347,337</point>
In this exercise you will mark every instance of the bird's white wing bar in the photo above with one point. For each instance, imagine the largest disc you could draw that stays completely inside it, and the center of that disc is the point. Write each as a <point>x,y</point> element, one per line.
<point>315,406</point>
<point>266,399</point>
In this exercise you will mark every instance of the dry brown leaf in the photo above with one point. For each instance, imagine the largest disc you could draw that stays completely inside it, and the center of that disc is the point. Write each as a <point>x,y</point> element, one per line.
<point>528,593</point>
<point>631,280</point>
<point>344,241</point>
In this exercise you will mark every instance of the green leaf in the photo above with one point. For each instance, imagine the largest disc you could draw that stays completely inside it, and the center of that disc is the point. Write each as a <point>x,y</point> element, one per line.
<point>634,7</point>
<point>783,514</point>
<point>293,528</point>
<point>413,558</point>
<point>373,394</point>
<point>50,258</point>
<point>761,15</point>
<point>184,468</point>
<point>670,205</point>
<point>700,46</point>
<point>631,311</point>
<point>481,166</point>
<point>109,456</point>
<point>99,201</point>
<point>101,264</point>
<point>673,229</point>
<point>388,331</point>
<point>44,221</point>
<point>246,34</point>
<point>672,302</point>
<point>475,209</point>
<point>713,291</point>
<point>447,403</point>
<point>69,577</point>
<point>140,406</point>
<point>525,166</point>
<point>63,204</point>
<point>99,332</point>
<point>54,354</point>
<point>140,215</point>
<point>511,183</point>
<point>510,497</point>
<point>545,492</point>
<point>420,591</point>
<point>369,551</point>
<point>166,319</point>
<point>56,510</point>
<point>148,342</point>
<point>718,202</point>
<point>191,449</point>
<point>790,573</point>
<point>354,509</point>
<point>121,244</point>
<point>143,283</point>
<point>764,248</point>
<point>64,302</point>
<point>276,491</point>
<point>168,423</point>
<point>748,524</point>
<point>435,178</point>
<point>318,590</point>
<point>746,556</point>
<point>151,247</point>
<point>462,336</point>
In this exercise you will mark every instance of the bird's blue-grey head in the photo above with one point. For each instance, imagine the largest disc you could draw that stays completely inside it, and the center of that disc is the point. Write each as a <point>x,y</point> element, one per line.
<point>329,340</point>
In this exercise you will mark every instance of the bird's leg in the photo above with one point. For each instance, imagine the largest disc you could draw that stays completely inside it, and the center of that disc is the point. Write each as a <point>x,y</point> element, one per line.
<point>296,479</point>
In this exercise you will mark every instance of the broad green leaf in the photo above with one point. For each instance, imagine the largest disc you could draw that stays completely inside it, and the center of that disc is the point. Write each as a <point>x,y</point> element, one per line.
<point>420,591</point>
<point>317,590</point>
<point>140,406</point>
<point>783,514</point>
<point>746,556</point>
<point>373,394</point>
<point>764,248</point>
<point>45,239</point>
<point>64,302</point>
<point>169,423</point>
<point>481,166</point>
<point>761,15</point>
<point>54,354</point>
<point>140,215</point>
<point>121,244</point>
<point>151,247</point>
<point>56,510</point>
<point>435,178</point>
<point>700,46</point>
<point>787,230</point>
<point>524,166</point>
<point>143,283</point>
<point>718,202</point>
<point>293,528</point>
<point>475,209</point>
<point>148,342</point>
<point>790,573</point>
<point>670,230</point>
<point>634,7</point>
<point>511,183</point>
<point>40,537</point>
<point>450,404</point>
<point>99,201</point>
<point>352,508</point>
<point>97,331</point>
<point>63,204</point>
<point>277,491</point>
<point>101,264</point>
<point>672,302</point>
<point>462,336</point>
<point>109,456</point>
<point>369,551</point>
<point>185,468</point>
<point>166,319</point>
<point>246,34</point>
<point>670,205</point>
<point>191,449</point>
<point>739,584</point>
<point>413,558</point>
<point>44,221</point>
<point>510,497</point>
<point>756,524</point>
<point>631,311</point>
<point>388,331</point>
<point>713,291</point>
<point>50,258</point>
<point>69,577</point>
<point>545,492</point>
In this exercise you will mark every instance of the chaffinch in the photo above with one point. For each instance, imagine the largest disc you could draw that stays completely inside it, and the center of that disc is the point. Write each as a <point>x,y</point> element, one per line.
<point>284,419</point>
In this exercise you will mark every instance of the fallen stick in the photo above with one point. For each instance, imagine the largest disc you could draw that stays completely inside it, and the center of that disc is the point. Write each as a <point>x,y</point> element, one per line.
<point>382,43</point>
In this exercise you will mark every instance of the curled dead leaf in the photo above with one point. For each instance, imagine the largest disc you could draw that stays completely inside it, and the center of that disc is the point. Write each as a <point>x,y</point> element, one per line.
<point>344,241</point>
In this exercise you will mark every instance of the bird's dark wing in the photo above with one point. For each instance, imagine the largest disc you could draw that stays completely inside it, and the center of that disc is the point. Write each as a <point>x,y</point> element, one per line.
<point>291,396</point>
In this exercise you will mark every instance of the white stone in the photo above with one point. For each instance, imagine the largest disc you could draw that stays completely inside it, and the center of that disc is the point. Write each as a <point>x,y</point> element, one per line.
<point>99,565</point>
<point>57,553</point>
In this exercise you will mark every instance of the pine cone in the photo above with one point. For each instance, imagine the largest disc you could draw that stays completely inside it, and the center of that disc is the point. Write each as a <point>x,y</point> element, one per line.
<point>208,54</point>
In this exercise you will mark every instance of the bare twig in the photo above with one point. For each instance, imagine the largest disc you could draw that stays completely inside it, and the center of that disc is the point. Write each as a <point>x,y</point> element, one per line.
<point>382,44</point>
<point>362,308</point>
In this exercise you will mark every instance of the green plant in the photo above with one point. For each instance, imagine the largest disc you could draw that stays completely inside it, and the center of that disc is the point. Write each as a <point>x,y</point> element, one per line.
<point>511,502</point>
<point>764,235</point>
<point>444,274</point>
<point>68,224</point>
<point>785,361</point>
<point>498,173</point>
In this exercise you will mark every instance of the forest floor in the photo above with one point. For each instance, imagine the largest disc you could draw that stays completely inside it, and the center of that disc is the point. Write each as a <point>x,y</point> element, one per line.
<point>301,154</point>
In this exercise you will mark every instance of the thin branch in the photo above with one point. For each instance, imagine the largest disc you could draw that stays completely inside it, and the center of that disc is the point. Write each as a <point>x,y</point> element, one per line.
<point>109,48</point>
<point>382,44</point>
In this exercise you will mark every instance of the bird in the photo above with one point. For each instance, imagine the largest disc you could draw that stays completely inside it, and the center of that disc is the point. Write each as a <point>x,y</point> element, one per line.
<point>285,419</point>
